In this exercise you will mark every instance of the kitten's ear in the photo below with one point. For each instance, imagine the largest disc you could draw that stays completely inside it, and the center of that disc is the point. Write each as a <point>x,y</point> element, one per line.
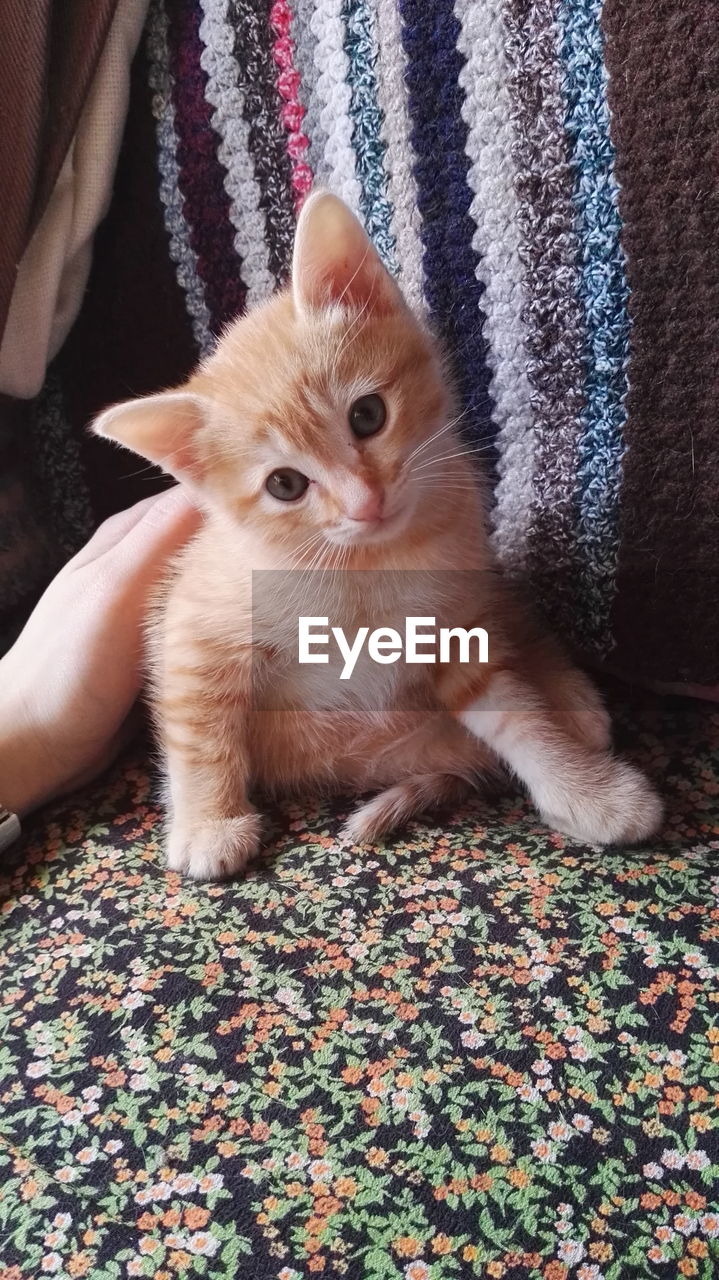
<point>161,428</point>
<point>334,260</point>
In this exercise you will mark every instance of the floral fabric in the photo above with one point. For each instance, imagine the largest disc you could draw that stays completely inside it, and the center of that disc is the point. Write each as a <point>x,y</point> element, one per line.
<point>481,1051</point>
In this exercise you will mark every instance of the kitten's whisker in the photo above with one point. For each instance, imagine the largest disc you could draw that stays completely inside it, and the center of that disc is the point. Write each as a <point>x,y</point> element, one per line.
<point>448,457</point>
<point>314,547</point>
<point>305,546</point>
<point>483,440</point>
<point>334,558</point>
<point>434,481</point>
<point>132,475</point>
<point>426,443</point>
<point>299,554</point>
<point>317,558</point>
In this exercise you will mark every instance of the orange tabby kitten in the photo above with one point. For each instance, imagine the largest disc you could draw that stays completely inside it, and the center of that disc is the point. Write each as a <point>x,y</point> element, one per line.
<point>321,433</point>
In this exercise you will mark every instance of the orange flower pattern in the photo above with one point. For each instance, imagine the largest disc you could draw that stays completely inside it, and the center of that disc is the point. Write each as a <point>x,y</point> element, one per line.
<point>480,1051</point>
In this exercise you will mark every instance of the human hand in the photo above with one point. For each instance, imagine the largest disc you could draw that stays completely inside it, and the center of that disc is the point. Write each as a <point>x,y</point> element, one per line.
<point>70,681</point>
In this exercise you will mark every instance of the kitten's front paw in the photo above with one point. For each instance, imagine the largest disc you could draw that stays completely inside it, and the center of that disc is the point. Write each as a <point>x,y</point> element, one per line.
<point>623,809</point>
<point>215,850</point>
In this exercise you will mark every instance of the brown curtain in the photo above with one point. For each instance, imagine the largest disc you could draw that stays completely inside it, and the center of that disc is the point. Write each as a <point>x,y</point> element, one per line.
<point>48,54</point>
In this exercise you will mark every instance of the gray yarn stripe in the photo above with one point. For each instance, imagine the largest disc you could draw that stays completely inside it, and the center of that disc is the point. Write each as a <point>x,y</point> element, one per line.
<point>227,100</point>
<point>494,209</point>
<point>553,314</point>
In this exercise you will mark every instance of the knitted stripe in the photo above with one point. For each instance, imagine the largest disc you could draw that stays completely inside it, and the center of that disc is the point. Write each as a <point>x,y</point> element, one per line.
<point>494,210</point>
<point>261,107</point>
<point>604,298</point>
<point>205,201</point>
<point>288,85</point>
<point>181,251</point>
<point>305,44</point>
<point>555,321</point>
<point>333,90</point>
<point>399,156</point>
<point>369,146</point>
<point>226,99</point>
<point>439,136</point>
<point>663,69</point>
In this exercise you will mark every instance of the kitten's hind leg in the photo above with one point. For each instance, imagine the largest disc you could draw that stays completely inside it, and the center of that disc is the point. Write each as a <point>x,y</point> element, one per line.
<point>398,804</point>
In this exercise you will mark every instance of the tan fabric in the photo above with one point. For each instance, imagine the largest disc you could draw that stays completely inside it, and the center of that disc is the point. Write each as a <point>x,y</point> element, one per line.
<point>49,51</point>
<point>23,69</point>
<point>54,269</point>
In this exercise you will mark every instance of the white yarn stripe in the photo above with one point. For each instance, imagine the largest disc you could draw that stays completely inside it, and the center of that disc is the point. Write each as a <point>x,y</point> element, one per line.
<point>333,91</point>
<point>487,113</point>
<point>181,251</point>
<point>399,156</point>
<point>302,11</point>
<point>224,95</point>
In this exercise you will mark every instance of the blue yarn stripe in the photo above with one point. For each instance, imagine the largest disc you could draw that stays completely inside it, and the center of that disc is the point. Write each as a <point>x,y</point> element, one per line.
<point>430,32</point>
<point>604,297</point>
<point>369,147</point>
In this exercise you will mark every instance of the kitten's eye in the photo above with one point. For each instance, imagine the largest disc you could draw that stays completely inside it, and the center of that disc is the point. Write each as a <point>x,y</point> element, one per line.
<point>367,416</point>
<point>286,484</point>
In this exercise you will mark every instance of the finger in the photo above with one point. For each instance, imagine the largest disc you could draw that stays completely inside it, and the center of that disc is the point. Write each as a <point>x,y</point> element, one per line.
<point>162,528</point>
<point>113,530</point>
<point>152,520</point>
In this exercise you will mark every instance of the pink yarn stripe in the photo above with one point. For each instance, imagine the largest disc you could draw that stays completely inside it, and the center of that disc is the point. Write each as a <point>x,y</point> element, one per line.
<point>293,112</point>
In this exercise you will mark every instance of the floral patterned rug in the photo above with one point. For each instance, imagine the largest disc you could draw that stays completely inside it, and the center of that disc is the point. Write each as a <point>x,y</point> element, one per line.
<point>482,1051</point>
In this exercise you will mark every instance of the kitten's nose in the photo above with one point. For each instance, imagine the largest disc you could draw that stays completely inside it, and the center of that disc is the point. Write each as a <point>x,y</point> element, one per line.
<point>366,507</point>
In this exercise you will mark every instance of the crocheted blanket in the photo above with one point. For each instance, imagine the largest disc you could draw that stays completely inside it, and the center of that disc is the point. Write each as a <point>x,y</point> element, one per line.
<point>541,177</point>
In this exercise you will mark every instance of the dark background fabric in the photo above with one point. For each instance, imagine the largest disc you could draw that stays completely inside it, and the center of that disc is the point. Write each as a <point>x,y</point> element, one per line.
<point>664,96</point>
